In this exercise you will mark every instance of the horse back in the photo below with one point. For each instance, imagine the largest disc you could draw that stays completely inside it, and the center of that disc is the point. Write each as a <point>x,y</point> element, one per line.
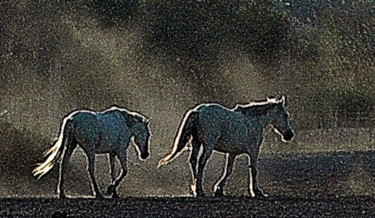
<point>86,126</point>
<point>228,123</point>
<point>102,129</point>
<point>112,121</point>
<point>219,116</point>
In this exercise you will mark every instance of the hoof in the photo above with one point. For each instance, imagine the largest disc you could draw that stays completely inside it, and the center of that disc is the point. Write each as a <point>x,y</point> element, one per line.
<point>110,189</point>
<point>115,195</point>
<point>260,194</point>
<point>219,193</point>
<point>191,192</point>
<point>62,195</point>
<point>201,195</point>
<point>99,196</point>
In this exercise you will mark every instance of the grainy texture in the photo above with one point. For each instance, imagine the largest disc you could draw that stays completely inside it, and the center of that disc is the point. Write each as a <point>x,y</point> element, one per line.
<point>189,207</point>
<point>161,58</point>
<point>322,184</point>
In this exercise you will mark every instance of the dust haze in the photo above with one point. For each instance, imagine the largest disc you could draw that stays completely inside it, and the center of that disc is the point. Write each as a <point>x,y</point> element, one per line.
<point>161,58</point>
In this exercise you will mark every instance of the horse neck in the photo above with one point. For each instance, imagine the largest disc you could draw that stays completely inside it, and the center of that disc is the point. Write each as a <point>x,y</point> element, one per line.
<point>131,125</point>
<point>265,119</point>
<point>130,121</point>
<point>132,129</point>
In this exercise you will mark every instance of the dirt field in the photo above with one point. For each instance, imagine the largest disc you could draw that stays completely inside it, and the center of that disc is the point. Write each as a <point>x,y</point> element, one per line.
<point>188,207</point>
<point>320,184</point>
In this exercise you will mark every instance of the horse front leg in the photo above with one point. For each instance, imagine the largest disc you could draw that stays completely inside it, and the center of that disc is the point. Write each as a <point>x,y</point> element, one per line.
<point>91,169</point>
<point>112,188</point>
<point>112,164</point>
<point>258,192</point>
<point>219,187</point>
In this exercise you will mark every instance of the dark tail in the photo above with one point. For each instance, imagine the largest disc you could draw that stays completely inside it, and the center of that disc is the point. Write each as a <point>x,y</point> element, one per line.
<point>183,137</point>
<point>54,153</point>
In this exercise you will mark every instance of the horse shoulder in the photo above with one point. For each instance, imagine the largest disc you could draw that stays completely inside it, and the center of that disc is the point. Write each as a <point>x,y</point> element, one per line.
<point>113,119</point>
<point>123,124</point>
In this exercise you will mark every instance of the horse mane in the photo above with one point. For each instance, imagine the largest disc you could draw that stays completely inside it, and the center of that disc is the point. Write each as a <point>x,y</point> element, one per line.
<point>257,108</point>
<point>130,117</point>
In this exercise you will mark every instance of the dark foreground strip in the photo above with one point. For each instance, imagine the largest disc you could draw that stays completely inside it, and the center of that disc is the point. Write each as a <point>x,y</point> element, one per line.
<point>187,207</point>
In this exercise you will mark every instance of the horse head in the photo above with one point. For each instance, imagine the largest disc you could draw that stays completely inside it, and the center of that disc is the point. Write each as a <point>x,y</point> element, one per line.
<point>142,135</point>
<point>281,120</point>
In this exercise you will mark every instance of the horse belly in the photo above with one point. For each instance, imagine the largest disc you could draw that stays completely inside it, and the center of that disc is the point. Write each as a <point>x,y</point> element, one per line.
<point>104,146</point>
<point>226,146</point>
<point>234,139</point>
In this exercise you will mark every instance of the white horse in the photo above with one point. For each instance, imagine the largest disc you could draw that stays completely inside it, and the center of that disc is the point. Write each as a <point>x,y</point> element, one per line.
<point>233,131</point>
<point>109,131</point>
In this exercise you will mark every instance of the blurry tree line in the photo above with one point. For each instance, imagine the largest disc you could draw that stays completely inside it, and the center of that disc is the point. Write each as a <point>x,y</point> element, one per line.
<point>319,53</point>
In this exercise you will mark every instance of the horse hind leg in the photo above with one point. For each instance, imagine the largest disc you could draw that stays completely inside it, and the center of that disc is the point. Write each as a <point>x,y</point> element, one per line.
<point>112,188</point>
<point>219,187</point>
<point>207,151</point>
<point>91,169</point>
<point>193,163</point>
<point>70,146</point>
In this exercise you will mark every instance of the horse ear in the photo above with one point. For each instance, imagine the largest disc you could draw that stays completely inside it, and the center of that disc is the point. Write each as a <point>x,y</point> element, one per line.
<point>271,98</point>
<point>283,100</point>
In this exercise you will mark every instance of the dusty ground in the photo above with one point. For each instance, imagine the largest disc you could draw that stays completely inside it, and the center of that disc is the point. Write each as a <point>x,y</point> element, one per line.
<point>320,184</point>
<point>188,207</point>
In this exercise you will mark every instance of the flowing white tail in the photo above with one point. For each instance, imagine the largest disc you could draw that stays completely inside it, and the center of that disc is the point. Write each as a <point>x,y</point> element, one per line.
<point>54,153</point>
<point>184,135</point>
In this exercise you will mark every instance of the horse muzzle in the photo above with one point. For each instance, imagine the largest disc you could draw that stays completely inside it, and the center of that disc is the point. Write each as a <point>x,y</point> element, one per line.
<point>144,156</point>
<point>288,136</point>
